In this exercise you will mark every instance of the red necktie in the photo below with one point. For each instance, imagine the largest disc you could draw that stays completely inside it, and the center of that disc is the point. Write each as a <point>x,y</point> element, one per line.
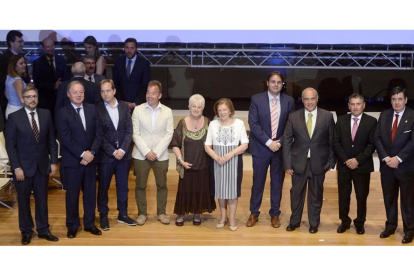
<point>394,128</point>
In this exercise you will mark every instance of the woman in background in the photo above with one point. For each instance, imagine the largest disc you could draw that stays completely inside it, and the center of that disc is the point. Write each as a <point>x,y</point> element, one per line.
<point>91,48</point>
<point>14,83</point>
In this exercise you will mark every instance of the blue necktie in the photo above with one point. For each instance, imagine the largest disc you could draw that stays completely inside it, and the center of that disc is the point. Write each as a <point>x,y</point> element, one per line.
<point>128,69</point>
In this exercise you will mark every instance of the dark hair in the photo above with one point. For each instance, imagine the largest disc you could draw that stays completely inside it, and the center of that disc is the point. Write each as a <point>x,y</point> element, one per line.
<point>398,90</point>
<point>227,102</point>
<point>356,96</point>
<point>130,39</point>
<point>11,36</point>
<point>275,73</point>
<point>89,57</point>
<point>92,41</point>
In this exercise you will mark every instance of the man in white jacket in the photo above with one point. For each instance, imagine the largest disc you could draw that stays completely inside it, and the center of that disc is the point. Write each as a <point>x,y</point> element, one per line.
<point>153,129</point>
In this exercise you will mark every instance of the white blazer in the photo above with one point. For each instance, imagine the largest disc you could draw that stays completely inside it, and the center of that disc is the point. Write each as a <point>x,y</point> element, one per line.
<point>147,138</point>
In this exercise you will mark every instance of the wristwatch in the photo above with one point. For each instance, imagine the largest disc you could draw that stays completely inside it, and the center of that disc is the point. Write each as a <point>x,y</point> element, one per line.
<point>93,152</point>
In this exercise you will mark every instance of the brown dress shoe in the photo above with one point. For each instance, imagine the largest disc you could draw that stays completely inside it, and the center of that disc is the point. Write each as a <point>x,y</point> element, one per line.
<point>252,221</point>
<point>275,222</point>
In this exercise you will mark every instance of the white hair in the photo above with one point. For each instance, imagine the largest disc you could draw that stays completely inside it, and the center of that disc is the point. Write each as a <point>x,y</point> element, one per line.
<point>197,97</point>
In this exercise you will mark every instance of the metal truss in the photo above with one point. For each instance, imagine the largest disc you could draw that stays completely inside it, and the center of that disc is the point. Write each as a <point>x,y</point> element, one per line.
<point>365,57</point>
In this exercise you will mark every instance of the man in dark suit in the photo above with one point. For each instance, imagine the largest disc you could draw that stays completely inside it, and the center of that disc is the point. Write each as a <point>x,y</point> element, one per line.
<point>114,155</point>
<point>394,140</point>
<point>80,131</point>
<point>32,150</point>
<point>307,155</point>
<point>49,70</point>
<point>131,75</point>
<point>90,75</point>
<point>92,94</point>
<point>354,146</point>
<point>268,114</point>
<point>15,44</point>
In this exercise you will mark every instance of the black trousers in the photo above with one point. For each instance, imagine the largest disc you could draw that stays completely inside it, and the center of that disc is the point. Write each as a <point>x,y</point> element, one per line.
<point>315,196</point>
<point>38,183</point>
<point>361,186</point>
<point>391,184</point>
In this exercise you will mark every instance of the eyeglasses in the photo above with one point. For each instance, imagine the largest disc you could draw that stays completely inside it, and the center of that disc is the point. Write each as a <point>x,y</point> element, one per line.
<point>31,97</point>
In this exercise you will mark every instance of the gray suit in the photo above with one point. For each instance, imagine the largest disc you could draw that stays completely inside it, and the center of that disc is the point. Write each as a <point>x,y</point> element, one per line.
<point>296,144</point>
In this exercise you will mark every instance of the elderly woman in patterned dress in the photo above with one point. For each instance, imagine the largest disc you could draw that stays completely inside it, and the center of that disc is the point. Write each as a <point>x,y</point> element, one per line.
<point>193,194</point>
<point>226,141</point>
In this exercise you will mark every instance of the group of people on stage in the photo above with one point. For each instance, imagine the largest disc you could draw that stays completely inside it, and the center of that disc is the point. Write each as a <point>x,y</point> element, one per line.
<point>95,128</point>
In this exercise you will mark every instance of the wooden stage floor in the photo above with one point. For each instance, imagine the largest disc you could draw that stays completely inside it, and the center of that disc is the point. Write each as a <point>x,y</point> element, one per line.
<point>154,233</point>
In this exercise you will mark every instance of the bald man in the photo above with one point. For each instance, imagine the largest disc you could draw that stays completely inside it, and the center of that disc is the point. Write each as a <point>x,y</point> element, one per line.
<point>307,155</point>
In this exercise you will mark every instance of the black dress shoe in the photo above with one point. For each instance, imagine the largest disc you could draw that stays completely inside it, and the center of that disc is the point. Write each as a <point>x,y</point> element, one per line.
<point>386,233</point>
<point>408,238</point>
<point>313,230</point>
<point>342,228</point>
<point>72,233</point>
<point>197,222</point>
<point>48,236</point>
<point>105,223</point>
<point>292,227</point>
<point>93,230</point>
<point>360,229</point>
<point>26,239</point>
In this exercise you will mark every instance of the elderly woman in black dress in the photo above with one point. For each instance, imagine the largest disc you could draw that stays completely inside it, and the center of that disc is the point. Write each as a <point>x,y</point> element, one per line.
<point>193,194</point>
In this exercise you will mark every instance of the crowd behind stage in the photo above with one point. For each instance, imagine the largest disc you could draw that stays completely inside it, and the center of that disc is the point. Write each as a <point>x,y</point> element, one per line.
<point>98,119</point>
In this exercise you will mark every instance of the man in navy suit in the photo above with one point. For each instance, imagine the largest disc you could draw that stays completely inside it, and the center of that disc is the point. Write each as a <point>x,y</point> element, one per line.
<point>32,150</point>
<point>80,131</point>
<point>354,145</point>
<point>394,140</point>
<point>131,75</point>
<point>49,70</point>
<point>90,75</point>
<point>92,90</point>
<point>268,114</point>
<point>115,154</point>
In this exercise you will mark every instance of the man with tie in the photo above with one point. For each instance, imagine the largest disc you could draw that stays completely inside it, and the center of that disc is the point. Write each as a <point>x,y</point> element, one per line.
<point>32,150</point>
<point>80,131</point>
<point>307,155</point>
<point>268,114</point>
<point>89,61</point>
<point>114,155</point>
<point>354,145</point>
<point>394,140</point>
<point>131,75</point>
<point>153,129</point>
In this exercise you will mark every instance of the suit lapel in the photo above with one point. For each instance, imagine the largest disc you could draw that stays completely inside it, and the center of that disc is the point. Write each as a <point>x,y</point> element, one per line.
<point>107,117</point>
<point>404,120</point>
<point>26,123</point>
<point>388,124</point>
<point>303,121</point>
<point>77,117</point>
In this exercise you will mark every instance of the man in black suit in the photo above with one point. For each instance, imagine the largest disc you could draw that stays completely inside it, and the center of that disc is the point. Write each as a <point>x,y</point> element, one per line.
<point>90,75</point>
<point>307,155</point>
<point>49,70</point>
<point>32,150</point>
<point>92,94</point>
<point>131,75</point>
<point>354,146</point>
<point>15,44</point>
<point>394,140</point>
<point>115,154</point>
<point>80,131</point>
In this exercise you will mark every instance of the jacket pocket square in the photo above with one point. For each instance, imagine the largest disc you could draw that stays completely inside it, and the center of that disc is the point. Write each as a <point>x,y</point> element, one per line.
<point>407,131</point>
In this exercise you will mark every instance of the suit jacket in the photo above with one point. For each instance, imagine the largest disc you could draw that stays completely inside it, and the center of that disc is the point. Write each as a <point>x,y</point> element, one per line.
<point>98,78</point>
<point>260,124</point>
<point>361,148</point>
<point>74,138</point>
<point>133,89</point>
<point>403,144</point>
<point>147,138</point>
<point>45,77</point>
<point>296,142</point>
<point>111,135</point>
<point>23,150</point>
<point>92,93</point>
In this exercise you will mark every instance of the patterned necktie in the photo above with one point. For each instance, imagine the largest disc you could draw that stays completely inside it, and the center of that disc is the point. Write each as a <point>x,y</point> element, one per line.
<point>274,118</point>
<point>394,127</point>
<point>128,69</point>
<point>309,124</point>
<point>354,128</point>
<point>34,127</point>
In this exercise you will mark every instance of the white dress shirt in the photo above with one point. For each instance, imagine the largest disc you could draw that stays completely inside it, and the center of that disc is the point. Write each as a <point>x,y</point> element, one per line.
<point>36,117</point>
<point>314,116</point>
<point>278,112</point>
